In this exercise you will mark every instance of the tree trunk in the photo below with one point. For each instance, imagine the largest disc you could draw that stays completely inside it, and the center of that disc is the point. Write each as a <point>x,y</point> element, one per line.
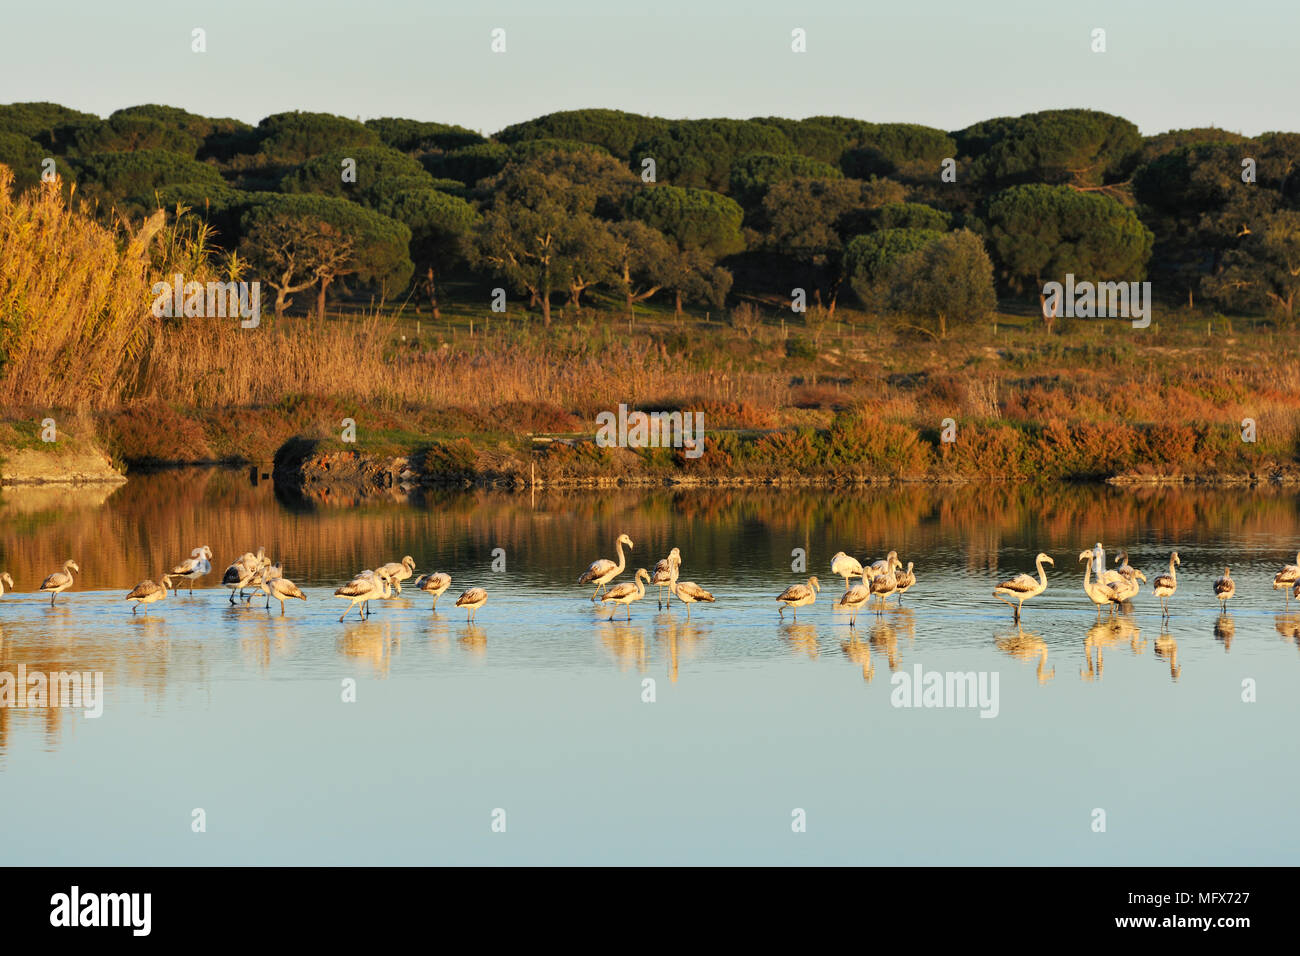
<point>546,296</point>
<point>320,297</point>
<point>678,308</point>
<point>433,295</point>
<point>281,298</point>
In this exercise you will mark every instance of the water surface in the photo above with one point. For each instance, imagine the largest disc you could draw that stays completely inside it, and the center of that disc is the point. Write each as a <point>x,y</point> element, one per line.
<point>539,708</point>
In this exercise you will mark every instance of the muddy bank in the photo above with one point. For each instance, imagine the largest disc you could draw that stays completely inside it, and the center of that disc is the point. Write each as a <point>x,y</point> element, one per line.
<point>319,470</point>
<point>31,467</point>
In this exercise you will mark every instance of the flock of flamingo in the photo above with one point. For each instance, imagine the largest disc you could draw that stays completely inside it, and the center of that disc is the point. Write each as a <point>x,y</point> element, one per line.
<point>253,573</point>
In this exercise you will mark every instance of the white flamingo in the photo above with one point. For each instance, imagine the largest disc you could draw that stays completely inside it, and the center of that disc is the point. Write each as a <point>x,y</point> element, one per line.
<point>280,589</point>
<point>1023,586</point>
<point>147,592</point>
<point>195,566</point>
<point>399,571</point>
<point>603,570</point>
<point>241,571</point>
<point>885,581</point>
<point>662,576</point>
<point>1166,584</point>
<point>5,579</point>
<point>1125,589</point>
<point>472,600</point>
<point>626,593</point>
<point>854,600</point>
<point>1287,578</point>
<point>367,586</point>
<point>797,596</point>
<point>888,563</point>
<point>1121,571</point>
<point>435,584</point>
<point>688,592</point>
<point>1097,592</point>
<point>846,567</point>
<point>906,579</point>
<point>60,581</point>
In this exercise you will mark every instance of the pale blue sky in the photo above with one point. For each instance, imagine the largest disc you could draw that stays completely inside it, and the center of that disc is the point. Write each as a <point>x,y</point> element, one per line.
<point>944,63</point>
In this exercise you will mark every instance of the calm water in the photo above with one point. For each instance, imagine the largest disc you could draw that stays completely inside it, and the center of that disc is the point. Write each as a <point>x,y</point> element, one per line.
<point>537,709</point>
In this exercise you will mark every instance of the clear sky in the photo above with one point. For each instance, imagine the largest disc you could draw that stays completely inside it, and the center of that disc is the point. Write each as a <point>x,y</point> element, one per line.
<point>944,63</point>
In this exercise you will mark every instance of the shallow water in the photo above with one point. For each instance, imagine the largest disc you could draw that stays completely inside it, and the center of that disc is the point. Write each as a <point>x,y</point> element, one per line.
<point>538,709</point>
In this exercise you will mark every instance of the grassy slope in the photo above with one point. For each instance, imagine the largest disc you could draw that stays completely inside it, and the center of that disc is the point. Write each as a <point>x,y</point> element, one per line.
<point>857,396</point>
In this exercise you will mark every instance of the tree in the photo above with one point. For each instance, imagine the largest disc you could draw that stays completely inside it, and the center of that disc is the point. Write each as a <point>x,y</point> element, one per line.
<point>468,164</point>
<point>754,173</point>
<point>438,222</point>
<point>884,149</point>
<point>127,132</point>
<point>868,259</point>
<point>1084,148</point>
<point>132,180</point>
<point>414,136</point>
<point>950,277</point>
<point>699,153</point>
<point>543,229</point>
<point>809,220</point>
<point>645,261</point>
<point>323,174</point>
<point>911,215</point>
<point>49,124</point>
<point>293,138</point>
<point>614,130</point>
<point>1264,269</point>
<point>704,225</point>
<point>1039,231</point>
<point>324,238</point>
<point>25,157</point>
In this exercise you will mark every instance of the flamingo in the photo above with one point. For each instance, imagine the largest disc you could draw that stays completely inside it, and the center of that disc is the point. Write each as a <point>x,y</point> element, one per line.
<point>603,570</point>
<point>854,600</point>
<point>887,563</point>
<point>434,584</point>
<point>241,571</point>
<point>1225,588</point>
<point>60,581</point>
<point>1125,589</point>
<point>905,581</point>
<point>281,589</point>
<point>146,592</point>
<point>399,571</point>
<point>196,565</point>
<point>1121,572</point>
<point>1097,593</point>
<point>797,596</point>
<point>364,587</point>
<point>5,579</point>
<point>846,567</point>
<point>662,576</point>
<point>1023,586</point>
<point>1166,584</point>
<point>625,593</point>
<point>885,583</point>
<point>265,573</point>
<point>1286,579</point>
<point>475,598</point>
<point>688,592</point>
